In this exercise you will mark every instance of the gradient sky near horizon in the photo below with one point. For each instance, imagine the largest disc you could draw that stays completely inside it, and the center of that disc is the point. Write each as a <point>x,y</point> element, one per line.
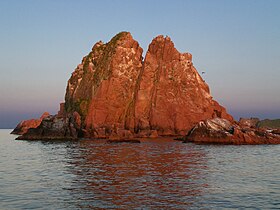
<point>237,44</point>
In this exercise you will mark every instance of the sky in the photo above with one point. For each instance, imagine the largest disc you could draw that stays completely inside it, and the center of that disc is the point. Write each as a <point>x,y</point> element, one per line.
<point>236,42</point>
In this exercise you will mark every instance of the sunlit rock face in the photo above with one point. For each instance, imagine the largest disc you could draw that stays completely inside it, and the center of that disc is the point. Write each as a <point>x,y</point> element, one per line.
<point>172,96</point>
<point>102,88</point>
<point>114,90</point>
<point>25,125</point>
<point>115,93</point>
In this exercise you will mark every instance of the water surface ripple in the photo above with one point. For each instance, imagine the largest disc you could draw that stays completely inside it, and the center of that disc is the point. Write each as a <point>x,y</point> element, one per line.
<point>158,174</point>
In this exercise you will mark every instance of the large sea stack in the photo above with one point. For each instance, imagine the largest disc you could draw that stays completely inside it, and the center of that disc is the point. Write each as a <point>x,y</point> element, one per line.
<point>114,93</point>
<point>118,93</point>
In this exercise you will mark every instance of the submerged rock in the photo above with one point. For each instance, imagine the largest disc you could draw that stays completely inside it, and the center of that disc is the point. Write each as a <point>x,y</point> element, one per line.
<point>222,131</point>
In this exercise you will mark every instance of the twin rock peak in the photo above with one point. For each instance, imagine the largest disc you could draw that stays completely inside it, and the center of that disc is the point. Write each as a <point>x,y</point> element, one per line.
<point>114,93</point>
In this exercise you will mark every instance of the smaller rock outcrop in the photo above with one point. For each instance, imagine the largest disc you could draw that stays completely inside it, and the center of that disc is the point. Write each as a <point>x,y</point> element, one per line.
<point>249,122</point>
<point>222,131</point>
<point>54,127</point>
<point>24,125</point>
<point>257,123</point>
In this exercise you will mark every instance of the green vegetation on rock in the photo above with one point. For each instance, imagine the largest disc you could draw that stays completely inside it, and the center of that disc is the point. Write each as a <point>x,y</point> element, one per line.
<point>80,106</point>
<point>274,124</point>
<point>96,68</point>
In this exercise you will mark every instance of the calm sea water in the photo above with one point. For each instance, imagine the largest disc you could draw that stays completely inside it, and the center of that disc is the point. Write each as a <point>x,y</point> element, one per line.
<point>158,174</point>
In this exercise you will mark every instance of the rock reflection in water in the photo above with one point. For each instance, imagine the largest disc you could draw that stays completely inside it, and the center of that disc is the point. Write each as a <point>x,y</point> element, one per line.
<point>149,174</point>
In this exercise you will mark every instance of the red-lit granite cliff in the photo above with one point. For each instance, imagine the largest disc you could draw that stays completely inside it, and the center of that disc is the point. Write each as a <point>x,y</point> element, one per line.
<point>116,94</point>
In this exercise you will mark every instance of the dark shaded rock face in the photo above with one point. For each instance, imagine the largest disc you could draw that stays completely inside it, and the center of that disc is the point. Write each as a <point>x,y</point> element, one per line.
<point>222,131</point>
<point>276,131</point>
<point>116,94</point>
<point>55,127</point>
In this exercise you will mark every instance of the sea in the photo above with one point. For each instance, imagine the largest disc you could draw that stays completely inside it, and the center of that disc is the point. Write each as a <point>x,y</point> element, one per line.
<point>155,174</point>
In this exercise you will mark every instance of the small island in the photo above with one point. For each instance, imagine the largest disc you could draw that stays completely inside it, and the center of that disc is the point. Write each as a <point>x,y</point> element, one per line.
<point>119,95</point>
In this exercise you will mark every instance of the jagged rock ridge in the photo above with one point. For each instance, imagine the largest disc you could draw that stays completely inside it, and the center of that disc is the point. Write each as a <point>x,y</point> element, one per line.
<point>114,93</point>
<point>25,125</point>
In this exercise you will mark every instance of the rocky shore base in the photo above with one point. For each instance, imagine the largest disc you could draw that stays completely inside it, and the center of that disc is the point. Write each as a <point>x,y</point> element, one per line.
<point>221,131</point>
<point>211,131</point>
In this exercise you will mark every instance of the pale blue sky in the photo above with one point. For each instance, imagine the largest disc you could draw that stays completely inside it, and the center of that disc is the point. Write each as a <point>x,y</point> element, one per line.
<point>236,42</point>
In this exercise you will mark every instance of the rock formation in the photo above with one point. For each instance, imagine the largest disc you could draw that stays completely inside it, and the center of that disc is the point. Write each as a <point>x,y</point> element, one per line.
<point>172,96</point>
<point>55,128</point>
<point>221,131</point>
<point>102,88</point>
<point>116,94</point>
<point>24,125</point>
<point>251,122</point>
<point>256,122</point>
